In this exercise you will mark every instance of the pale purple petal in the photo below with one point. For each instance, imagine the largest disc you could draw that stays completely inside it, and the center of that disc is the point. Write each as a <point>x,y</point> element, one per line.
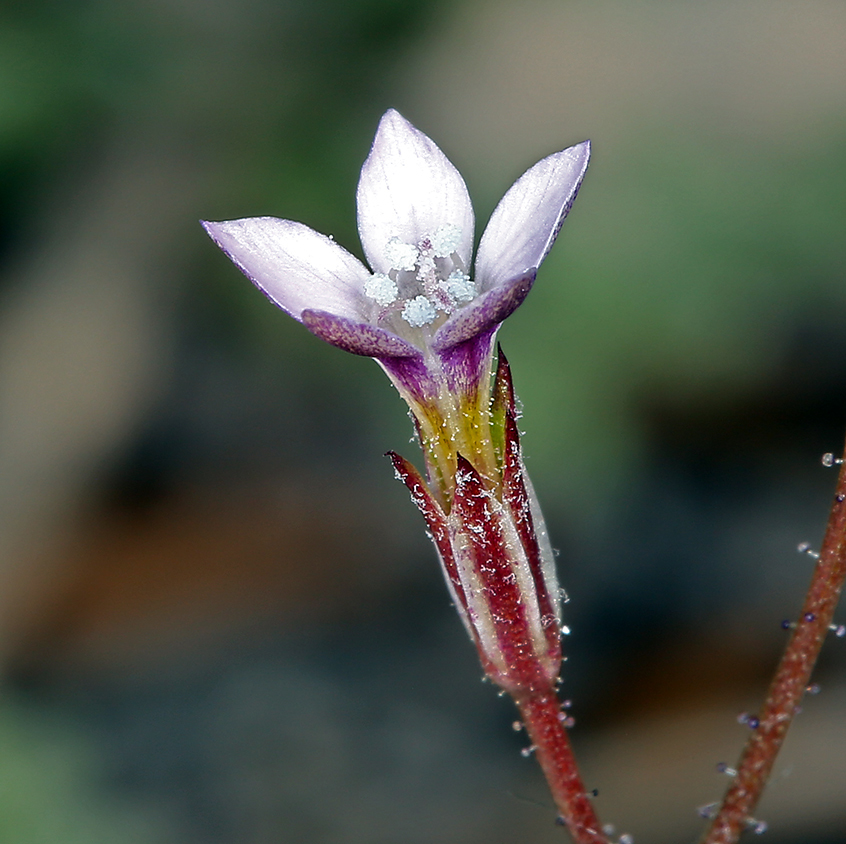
<point>488,309</point>
<point>357,337</point>
<point>409,189</point>
<point>413,378</point>
<point>467,365</point>
<point>463,369</point>
<point>294,266</point>
<point>526,222</point>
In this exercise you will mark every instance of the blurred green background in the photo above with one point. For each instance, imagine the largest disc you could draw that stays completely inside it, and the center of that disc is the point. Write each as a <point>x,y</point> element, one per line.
<point>220,620</point>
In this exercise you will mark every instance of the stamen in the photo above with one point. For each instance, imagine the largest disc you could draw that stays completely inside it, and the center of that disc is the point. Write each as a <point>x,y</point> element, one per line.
<point>431,259</point>
<point>459,288</point>
<point>418,312</point>
<point>445,240</point>
<point>382,289</point>
<point>400,255</point>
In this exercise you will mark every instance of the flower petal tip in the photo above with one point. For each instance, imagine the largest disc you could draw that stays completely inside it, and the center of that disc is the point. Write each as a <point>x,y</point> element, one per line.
<point>392,118</point>
<point>527,220</point>
<point>408,189</point>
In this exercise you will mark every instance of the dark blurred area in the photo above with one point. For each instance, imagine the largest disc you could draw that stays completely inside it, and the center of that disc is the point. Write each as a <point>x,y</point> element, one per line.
<point>220,619</point>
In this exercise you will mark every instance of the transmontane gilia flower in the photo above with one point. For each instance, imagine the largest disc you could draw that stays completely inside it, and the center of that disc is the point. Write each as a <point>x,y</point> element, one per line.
<point>431,325</point>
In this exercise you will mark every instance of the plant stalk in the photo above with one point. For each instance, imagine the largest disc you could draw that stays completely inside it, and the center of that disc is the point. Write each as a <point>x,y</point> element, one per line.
<point>543,719</point>
<point>790,681</point>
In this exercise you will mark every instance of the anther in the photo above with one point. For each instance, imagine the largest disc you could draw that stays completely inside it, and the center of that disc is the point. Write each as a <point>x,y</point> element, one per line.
<point>567,704</point>
<point>400,255</point>
<point>724,768</point>
<point>382,289</point>
<point>828,459</point>
<point>445,240</point>
<point>565,630</point>
<point>839,630</point>
<point>459,288</point>
<point>419,311</point>
<point>517,726</point>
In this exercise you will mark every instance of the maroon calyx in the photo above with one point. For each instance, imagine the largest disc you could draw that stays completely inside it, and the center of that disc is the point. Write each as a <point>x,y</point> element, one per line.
<point>492,563</point>
<point>516,496</point>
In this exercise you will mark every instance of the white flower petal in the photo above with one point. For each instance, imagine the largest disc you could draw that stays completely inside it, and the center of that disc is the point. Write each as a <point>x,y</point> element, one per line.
<point>526,222</point>
<point>294,266</point>
<point>409,189</point>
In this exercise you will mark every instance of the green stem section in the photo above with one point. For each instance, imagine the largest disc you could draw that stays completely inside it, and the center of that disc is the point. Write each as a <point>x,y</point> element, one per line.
<point>790,681</point>
<point>542,717</point>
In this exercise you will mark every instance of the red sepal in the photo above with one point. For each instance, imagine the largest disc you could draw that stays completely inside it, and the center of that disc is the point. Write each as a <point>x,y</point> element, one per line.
<point>503,384</point>
<point>516,495</point>
<point>435,519</point>
<point>491,560</point>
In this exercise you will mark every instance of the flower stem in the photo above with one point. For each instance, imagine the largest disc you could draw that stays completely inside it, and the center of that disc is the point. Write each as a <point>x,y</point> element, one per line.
<point>790,681</point>
<point>542,716</point>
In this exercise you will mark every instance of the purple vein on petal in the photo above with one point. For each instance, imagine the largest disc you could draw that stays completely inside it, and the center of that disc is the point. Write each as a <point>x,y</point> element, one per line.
<point>357,337</point>
<point>487,310</point>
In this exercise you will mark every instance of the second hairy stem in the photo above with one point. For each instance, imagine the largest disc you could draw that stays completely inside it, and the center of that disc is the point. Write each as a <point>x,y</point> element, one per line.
<point>790,681</point>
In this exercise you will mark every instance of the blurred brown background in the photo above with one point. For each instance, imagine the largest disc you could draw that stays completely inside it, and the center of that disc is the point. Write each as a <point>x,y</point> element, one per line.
<point>220,620</point>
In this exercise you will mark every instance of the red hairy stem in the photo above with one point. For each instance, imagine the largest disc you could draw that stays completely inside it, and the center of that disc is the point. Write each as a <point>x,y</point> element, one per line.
<point>543,719</point>
<point>790,681</point>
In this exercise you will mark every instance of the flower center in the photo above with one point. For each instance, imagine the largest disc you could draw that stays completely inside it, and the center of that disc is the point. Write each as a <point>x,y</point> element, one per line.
<point>426,281</point>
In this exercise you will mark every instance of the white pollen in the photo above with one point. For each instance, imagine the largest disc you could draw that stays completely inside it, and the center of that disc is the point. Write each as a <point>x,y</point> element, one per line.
<point>400,255</point>
<point>381,288</point>
<point>459,288</point>
<point>418,312</point>
<point>445,240</point>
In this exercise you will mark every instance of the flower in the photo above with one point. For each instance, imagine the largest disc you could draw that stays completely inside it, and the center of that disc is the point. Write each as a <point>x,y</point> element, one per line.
<point>418,312</point>
<point>432,328</point>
